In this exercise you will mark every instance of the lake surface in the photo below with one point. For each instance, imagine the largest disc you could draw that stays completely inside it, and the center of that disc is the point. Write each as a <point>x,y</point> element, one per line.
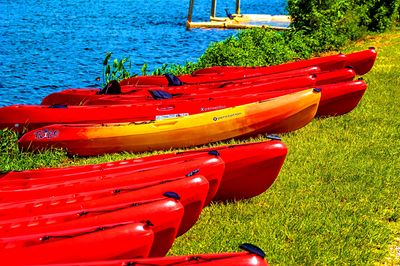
<point>49,45</point>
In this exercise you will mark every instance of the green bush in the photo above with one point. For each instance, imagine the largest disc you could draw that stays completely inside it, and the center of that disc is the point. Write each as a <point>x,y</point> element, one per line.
<point>250,48</point>
<point>341,20</point>
<point>318,26</point>
<point>117,70</point>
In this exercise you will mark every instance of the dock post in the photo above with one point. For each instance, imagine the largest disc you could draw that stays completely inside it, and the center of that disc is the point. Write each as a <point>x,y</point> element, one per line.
<point>237,6</point>
<point>190,11</point>
<point>213,8</point>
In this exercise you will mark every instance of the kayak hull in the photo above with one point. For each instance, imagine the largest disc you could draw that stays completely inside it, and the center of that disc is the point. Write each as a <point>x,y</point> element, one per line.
<point>341,98</point>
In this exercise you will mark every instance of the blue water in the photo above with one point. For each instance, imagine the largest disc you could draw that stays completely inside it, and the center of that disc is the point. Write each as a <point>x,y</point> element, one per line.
<point>50,45</point>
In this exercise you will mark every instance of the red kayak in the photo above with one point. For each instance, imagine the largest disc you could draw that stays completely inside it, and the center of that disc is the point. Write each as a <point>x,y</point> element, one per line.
<point>126,240</point>
<point>229,73</point>
<point>208,166</point>
<point>252,256</point>
<point>138,94</point>
<point>361,61</point>
<point>132,109</point>
<point>271,153</point>
<point>218,78</point>
<point>164,216</point>
<point>192,190</point>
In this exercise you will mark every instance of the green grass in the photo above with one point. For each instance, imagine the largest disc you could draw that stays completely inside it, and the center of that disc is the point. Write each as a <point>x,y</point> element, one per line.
<point>337,198</point>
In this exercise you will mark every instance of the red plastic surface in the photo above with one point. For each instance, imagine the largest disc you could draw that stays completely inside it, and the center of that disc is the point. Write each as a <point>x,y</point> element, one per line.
<point>119,241</point>
<point>192,191</point>
<point>165,216</point>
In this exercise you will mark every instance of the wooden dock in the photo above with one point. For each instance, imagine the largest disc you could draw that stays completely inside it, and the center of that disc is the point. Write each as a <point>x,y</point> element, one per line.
<point>237,20</point>
<point>230,25</point>
<point>240,18</point>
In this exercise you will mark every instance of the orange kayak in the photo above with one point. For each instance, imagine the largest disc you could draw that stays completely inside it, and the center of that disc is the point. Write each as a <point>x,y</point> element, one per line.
<point>277,115</point>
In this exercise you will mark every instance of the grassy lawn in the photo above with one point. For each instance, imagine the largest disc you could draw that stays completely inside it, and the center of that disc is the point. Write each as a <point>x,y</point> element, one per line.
<point>337,198</point>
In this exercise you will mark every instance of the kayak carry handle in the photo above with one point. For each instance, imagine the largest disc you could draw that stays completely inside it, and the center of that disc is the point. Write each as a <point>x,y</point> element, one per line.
<point>252,249</point>
<point>192,173</point>
<point>273,137</point>
<point>148,223</point>
<point>172,195</point>
<point>214,152</point>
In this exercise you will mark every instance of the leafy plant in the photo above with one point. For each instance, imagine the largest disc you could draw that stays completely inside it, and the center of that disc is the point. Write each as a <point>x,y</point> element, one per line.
<point>116,70</point>
<point>337,21</point>
<point>144,69</point>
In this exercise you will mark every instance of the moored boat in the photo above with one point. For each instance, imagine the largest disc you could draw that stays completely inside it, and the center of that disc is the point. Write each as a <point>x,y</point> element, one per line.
<point>361,61</point>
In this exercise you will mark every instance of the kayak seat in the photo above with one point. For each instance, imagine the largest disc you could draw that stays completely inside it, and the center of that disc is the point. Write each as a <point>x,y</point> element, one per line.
<point>160,94</point>
<point>173,80</point>
<point>112,87</point>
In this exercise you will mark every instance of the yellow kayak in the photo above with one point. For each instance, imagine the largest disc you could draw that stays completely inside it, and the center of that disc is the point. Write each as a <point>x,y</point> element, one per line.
<point>276,115</point>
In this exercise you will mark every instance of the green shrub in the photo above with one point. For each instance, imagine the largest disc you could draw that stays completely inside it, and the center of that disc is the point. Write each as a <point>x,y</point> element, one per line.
<point>117,70</point>
<point>318,26</point>
<point>250,48</point>
<point>332,23</point>
<point>341,20</point>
